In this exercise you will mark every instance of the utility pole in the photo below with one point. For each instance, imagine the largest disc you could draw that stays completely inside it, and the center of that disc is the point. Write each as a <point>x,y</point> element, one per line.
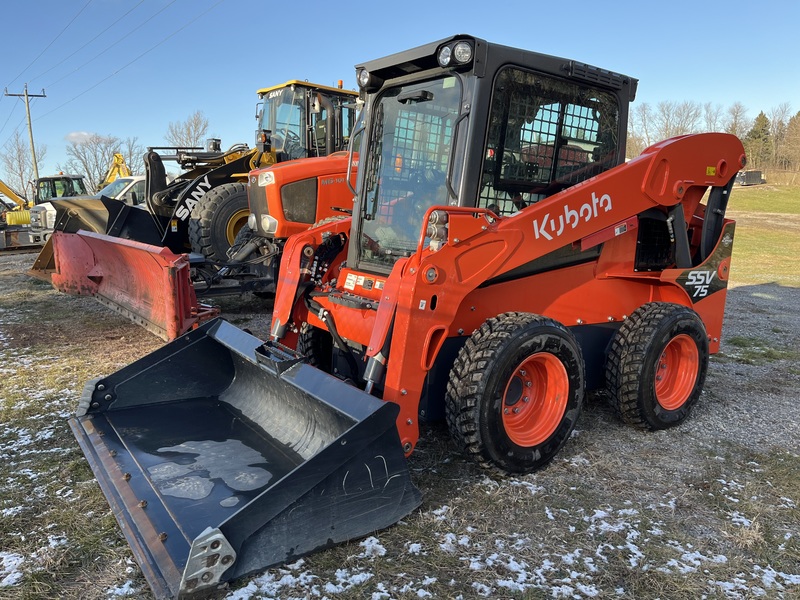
<point>27,97</point>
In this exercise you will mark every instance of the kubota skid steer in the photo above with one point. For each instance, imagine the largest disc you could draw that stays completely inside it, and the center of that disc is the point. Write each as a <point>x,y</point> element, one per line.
<point>500,262</point>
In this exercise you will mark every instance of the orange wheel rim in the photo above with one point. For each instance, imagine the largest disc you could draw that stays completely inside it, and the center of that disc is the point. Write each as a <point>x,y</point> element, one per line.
<point>676,372</point>
<point>535,399</point>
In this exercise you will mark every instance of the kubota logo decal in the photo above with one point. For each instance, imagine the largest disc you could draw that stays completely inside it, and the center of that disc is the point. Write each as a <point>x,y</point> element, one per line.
<point>185,210</point>
<point>700,282</point>
<point>550,227</point>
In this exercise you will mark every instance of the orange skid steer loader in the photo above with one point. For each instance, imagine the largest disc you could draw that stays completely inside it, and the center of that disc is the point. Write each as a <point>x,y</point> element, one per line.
<point>500,262</point>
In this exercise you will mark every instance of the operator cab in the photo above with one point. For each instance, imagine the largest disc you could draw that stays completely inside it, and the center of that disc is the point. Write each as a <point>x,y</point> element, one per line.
<point>298,119</point>
<point>59,186</point>
<point>544,124</point>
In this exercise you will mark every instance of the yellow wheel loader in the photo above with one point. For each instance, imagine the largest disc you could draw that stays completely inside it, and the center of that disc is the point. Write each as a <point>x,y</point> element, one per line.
<point>500,261</point>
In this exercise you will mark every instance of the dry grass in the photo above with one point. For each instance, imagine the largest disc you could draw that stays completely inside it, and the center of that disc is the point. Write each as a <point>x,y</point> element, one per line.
<point>709,509</point>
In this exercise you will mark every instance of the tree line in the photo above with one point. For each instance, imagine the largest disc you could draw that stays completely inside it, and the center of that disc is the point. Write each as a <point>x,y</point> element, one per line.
<point>771,140</point>
<point>91,155</point>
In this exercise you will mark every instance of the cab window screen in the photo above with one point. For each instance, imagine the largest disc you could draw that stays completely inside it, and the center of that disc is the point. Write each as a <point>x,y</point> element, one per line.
<point>545,134</point>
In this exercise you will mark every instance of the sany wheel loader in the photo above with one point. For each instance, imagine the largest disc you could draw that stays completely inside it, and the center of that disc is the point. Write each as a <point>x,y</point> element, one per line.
<point>501,261</point>
<point>136,262</point>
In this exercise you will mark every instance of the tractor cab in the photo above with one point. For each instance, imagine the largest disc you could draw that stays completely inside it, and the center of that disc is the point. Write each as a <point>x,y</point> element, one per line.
<point>59,186</point>
<point>298,119</point>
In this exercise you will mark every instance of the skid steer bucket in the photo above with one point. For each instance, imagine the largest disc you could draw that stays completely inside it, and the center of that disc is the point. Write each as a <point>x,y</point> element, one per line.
<point>148,284</point>
<point>221,456</point>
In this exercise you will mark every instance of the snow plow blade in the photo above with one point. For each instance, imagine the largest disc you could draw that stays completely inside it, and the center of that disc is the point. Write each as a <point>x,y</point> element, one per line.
<point>222,456</point>
<point>148,284</point>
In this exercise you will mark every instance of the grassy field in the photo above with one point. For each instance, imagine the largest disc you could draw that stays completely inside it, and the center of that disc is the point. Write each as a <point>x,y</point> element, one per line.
<point>767,240</point>
<point>707,510</point>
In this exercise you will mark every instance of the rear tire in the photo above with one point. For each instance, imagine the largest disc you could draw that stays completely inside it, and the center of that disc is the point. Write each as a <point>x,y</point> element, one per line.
<point>217,218</point>
<point>516,391</point>
<point>657,365</point>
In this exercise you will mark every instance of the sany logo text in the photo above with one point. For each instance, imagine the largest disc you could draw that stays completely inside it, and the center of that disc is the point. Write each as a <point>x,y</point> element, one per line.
<point>550,227</point>
<point>184,211</point>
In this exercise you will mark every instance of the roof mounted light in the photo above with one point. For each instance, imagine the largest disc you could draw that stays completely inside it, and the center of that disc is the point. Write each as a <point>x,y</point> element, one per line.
<point>363,77</point>
<point>444,56</point>
<point>462,52</point>
<point>455,54</point>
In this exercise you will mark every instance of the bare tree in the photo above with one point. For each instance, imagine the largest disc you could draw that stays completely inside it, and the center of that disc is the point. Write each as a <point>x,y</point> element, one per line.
<point>18,164</point>
<point>712,117</point>
<point>639,130</point>
<point>189,133</point>
<point>736,121</point>
<point>133,152</point>
<point>778,122</point>
<point>793,142</point>
<point>676,118</point>
<point>91,154</point>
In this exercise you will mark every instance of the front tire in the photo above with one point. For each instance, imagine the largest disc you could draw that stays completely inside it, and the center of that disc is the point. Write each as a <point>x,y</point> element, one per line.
<point>657,365</point>
<point>216,220</point>
<point>516,391</point>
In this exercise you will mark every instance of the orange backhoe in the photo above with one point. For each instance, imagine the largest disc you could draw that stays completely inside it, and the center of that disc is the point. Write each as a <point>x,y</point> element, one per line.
<point>501,261</point>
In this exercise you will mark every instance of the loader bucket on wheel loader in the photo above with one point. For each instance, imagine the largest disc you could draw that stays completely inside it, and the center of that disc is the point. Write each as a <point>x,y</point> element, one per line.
<point>148,284</point>
<point>221,456</point>
<point>100,215</point>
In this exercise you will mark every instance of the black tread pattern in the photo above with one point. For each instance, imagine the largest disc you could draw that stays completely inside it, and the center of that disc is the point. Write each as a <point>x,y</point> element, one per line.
<point>626,359</point>
<point>468,378</point>
<point>201,224</point>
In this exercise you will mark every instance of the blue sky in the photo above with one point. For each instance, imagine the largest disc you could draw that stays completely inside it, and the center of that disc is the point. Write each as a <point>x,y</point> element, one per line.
<point>129,67</point>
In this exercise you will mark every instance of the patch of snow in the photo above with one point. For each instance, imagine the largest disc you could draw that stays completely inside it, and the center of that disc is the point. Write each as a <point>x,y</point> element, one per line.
<point>126,589</point>
<point>739,519</point>
<point>9,568</point>
<point>372,547</point>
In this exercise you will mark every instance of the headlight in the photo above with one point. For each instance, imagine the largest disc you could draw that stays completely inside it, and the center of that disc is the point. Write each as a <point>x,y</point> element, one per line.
<point>363,78</point>
<point>266,178</point>
<point>462,52</point>
<point>444,56</point>
<point>269,224</point>
<point>459,53</point>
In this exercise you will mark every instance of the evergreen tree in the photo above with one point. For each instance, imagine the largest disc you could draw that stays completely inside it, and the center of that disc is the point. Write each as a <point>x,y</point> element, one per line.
<point>758,143</point>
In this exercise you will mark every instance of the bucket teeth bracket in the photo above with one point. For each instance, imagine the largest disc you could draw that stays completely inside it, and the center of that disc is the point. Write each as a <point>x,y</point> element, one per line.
<point>277,356</point>
<point>211,555</point>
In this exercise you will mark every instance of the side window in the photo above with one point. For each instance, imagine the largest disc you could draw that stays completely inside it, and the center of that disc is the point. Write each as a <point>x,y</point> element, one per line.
<point>545,135</point>
<point>138,190</point>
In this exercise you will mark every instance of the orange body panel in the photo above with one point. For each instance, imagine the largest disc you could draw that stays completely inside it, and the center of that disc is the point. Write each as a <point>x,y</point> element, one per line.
<point>434,295</point>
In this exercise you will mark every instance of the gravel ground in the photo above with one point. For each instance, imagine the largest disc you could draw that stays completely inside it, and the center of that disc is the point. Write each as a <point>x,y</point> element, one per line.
<point>708,509</point>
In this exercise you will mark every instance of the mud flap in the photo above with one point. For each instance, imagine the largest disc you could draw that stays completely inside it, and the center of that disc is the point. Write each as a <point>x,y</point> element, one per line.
<point>148,284</point>
<point>220,458</point>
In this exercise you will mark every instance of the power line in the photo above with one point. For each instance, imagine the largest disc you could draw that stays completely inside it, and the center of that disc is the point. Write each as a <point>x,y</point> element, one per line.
<point>51,43</point>
<point>66,58</point>
<point>27,97</point>
<point>102,52</point>
<point>125,66</point>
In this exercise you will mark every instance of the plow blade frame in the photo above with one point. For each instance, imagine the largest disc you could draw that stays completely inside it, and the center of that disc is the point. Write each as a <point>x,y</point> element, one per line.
<point>148,284</point>
<point>220,459</point>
